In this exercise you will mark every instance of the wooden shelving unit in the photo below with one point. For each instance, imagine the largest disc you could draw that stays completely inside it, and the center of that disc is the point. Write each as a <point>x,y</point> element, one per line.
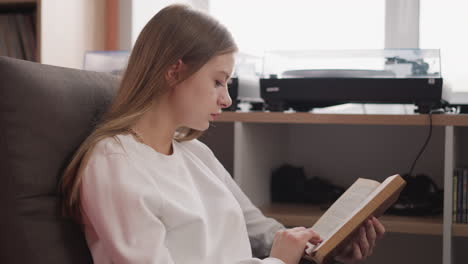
<point>26,6</point>
<point>18,1</point>
<point>265,140</point>
<point>346,119</point>
<point>460,230</point>
<point>306,215</point>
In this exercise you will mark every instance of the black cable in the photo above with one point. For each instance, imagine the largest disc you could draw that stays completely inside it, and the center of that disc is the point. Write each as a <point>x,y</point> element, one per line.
<point>424,146</point>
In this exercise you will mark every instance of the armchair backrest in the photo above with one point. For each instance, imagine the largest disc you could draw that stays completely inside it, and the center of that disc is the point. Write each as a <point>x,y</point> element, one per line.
<point>45,113</point>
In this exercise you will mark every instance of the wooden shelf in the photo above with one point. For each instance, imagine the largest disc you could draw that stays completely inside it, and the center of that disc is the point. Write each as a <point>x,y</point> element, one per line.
<point>18,1</point>
<point>348,119</point>
<point>306,215</point>
<point>13,6</point>
<point>460,230</point>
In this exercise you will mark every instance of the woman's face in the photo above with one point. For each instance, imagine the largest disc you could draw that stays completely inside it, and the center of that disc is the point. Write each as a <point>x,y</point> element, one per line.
<point>200,98</point>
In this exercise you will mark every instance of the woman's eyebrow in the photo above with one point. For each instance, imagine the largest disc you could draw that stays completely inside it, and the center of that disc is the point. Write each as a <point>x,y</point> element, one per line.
<point>225,73</point>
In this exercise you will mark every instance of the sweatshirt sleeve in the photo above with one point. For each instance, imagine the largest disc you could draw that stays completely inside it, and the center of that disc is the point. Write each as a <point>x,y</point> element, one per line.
<point>125,210</point>
<point>122,208</point>
<point>261,229</point>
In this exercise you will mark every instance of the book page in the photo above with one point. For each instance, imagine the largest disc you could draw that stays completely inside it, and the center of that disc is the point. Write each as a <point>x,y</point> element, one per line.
<point>344,207</point>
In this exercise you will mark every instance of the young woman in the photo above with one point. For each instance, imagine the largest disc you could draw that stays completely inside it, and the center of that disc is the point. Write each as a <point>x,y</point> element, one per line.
<point>146,191</point>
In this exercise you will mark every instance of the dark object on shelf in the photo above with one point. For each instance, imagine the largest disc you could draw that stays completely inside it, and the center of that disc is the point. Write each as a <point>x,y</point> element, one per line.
<point>304,94</point>
<point>459,108</point>
<point>289,184</point>
<point>463,109</point>
<point>320,191</point>
<point>257,106</point>
<point>420,197</point>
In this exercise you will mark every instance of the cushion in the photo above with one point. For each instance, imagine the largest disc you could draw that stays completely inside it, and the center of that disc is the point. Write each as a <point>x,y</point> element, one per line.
<point>45,114</point>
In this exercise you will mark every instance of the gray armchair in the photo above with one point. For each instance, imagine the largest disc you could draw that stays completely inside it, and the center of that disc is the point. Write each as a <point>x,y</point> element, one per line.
<point>45,113</point>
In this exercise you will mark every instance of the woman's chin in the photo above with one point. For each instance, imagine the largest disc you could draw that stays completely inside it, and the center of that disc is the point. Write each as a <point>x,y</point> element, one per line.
<point>205,127</point>
<point>201,127</point>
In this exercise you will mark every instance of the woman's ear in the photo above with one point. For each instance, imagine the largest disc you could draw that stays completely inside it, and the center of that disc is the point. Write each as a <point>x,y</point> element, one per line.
<point>174,73</point>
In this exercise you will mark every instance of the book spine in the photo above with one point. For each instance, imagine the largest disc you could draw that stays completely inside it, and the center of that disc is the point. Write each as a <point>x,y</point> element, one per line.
<point>462,202</point>
<point>465,192</point>
<point>459,196</point>
<point>3,45</point>
<point>455,188</point>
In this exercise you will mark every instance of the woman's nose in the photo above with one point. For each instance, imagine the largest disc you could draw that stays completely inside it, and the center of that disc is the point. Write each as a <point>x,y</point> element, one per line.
<point>225,100</point>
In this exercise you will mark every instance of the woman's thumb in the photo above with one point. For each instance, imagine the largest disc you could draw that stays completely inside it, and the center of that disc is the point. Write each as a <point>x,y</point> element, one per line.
<point>313,236</point>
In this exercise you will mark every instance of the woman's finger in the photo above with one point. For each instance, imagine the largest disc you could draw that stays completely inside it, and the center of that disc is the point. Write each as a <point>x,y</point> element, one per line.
<point>357,253</point>
<point>371,235</point>
<point>379,228</point>
<point>346,253</point>
<point>312,236</point>
<point>354,256</point>
<point>347,249</point>
<point>298,229</point>
<point>363,243</point>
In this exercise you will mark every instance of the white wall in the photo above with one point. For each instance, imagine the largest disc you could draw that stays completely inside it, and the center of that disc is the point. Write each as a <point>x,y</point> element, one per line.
<point>443,25</point>
<point>134,14</point>
<point>69,28</point>
<point>401,24</point>
<point>263,25</point>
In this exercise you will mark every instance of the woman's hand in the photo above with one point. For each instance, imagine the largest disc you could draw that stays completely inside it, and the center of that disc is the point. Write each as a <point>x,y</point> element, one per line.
<point>289,244</point>
<point>362,245</point>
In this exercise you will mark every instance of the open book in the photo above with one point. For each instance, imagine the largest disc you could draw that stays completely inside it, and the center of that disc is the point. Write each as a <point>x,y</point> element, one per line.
<point>336,226</point>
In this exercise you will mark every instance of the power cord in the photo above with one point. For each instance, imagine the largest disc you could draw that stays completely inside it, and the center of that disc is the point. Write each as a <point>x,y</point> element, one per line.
<point>445,109</point>
<point>425,143</point>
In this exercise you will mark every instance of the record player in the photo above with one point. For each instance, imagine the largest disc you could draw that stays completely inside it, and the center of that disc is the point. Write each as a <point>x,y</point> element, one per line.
<point>303,80</point>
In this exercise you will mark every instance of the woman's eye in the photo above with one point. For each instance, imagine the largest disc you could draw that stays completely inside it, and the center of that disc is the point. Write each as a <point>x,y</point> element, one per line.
<point>218,84</point>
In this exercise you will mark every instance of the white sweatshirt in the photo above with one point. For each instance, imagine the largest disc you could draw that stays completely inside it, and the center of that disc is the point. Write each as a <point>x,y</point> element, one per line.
<point>141,206</point>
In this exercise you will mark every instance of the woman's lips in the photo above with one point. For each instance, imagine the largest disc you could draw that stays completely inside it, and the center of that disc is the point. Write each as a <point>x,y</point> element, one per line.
<point>214,116</point>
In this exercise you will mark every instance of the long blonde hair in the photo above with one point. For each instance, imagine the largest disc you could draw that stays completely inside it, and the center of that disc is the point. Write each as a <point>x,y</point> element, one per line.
<point>177,32</point>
